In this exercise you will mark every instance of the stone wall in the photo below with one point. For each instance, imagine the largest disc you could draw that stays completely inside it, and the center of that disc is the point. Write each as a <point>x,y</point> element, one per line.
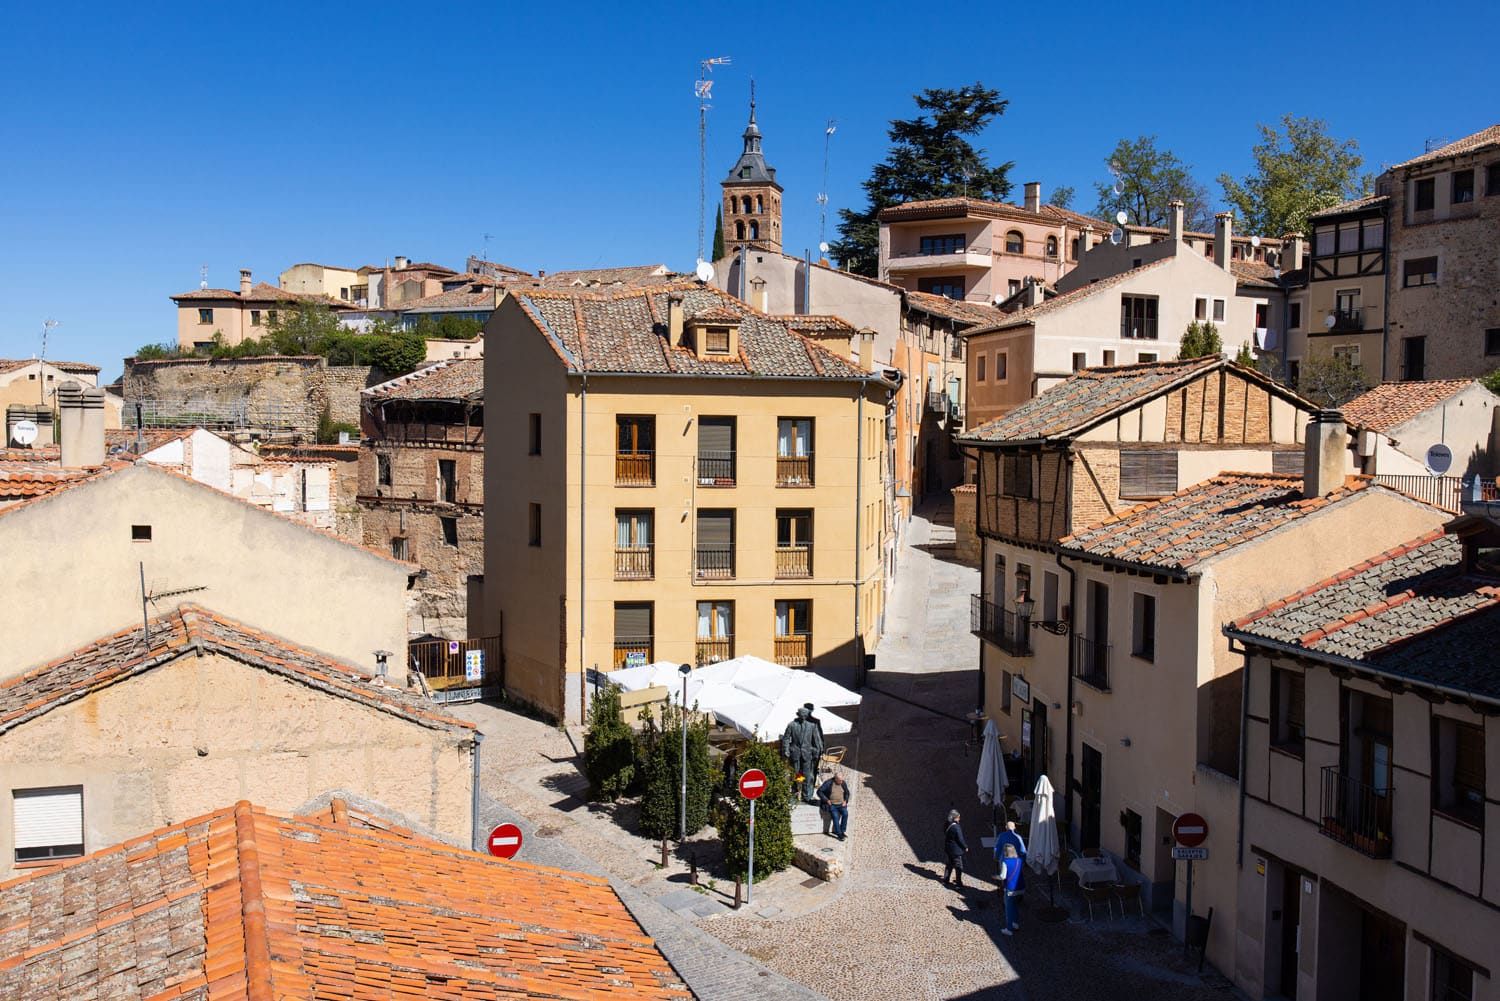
<point>274,391</point>
<point>965,532</point>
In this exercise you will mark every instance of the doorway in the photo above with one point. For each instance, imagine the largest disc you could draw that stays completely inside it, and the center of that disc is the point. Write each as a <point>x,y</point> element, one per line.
<point>1038,739</point>
<point>1090,790</point>
<point>1164,870</point>
<point>1291,933</point>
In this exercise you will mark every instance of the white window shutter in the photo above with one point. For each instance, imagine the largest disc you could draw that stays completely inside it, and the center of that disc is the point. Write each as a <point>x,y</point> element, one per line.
<point>47,817</point>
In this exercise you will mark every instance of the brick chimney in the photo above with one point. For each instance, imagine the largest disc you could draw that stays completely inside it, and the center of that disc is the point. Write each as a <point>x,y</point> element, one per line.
<point>1325,453</point>
<point>245,282</point>
<point>674,318</point>
<point>1223,238</point>
<point>1291,252</point>
<point>1033,196</point>
<point>82,424</point>
<point>1085,240</point>
<point>402,262</point>
<point>1174,221</point>
<point>1031,293</point>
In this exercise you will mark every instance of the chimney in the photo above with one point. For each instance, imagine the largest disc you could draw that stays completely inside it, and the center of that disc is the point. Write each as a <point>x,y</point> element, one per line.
<point>1325,453</point>
<point>1085,240</point>
<point>1033,196</point>
<point>244,282</point>
<point>82,425</point>
<point>1031,293</point>
<point>759,297</point>
<point>1291,252</point>
<point>674,318</point>
<point>1223,236</point>
<point>1174,225</point>
<point>402,262</point>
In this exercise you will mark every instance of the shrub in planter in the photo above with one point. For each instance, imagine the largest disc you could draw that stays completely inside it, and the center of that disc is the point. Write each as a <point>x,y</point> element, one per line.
<point>661,766</point>
<point>608,748</point>
<point>773,815</point>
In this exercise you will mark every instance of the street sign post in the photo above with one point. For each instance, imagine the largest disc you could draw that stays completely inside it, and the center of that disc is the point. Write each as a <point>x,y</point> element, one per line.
<point>505,841</point>
<point>752,787</point>
<point>1189,831</point>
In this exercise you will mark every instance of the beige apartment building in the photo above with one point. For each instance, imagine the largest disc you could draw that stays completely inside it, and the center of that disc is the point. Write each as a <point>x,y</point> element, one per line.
<point>1371,783</point>
<point>982,251</point>
<point>343,284</point>
<point>673,475</point>
<point>205,314</point>
<point>1341,313</point>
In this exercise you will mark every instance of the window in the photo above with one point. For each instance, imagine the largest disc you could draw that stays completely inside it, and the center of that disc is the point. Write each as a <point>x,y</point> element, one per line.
<point>1143,627</point>
<point>1288,708</point>
<point>1138,316</point>
<point>1492,179</point>
<point>745,202</point>
<point>633,552</point>
<point>1374,234</point>
<point>1080,361</point>
<point>1349,237</point>
<point>1145,356</point>
<point>1262,312</point>
<point>716,341</point>
<point>1414,358</point>
<point>760,205</point>
<point>793,647</point>
<point>400,548</point>
<point>1012,287</point>
<point>715,544</point>
<point>1452,978</point>
<point>1424,194</point>
<point>794,450</point>
<point>1109,358</point>
<point>140,533</point>
<point>1051,246</point>
<point>1294,316</point>
<point>1147,473</point>
<point>1463,187</point>
<point>1049,597</point>
<point>997,580</point>
<point>1347,352</point>
<point>255,318</point>
<point>448,481</point>
<point>450,531</point>
<point>633,633</point>
<point>1323,241</point>
<point>533,524</point>
<point>948,243</point>
<point>1015,243</point>
<point>716,451</point>
<point>1200,308</point>
<point>534,434</point>
<point>1005,692</point>
<point>715,631</point>
<point>754,229</point>
<point>382,469</point>
<point>1458,770</point>
<point>979,369</point>
<point>1420,271</point>
<point>1015,475</point>
<point>48,823</point>
<point>1131,821</point>
<point>635,451</point>
<point>205,316</point>
<point>739,229</point>
<point>952,288</point>
<point>1218,310</point>
<point>793,544</point>
<point>1000,366</point>
<point>1492,341</point>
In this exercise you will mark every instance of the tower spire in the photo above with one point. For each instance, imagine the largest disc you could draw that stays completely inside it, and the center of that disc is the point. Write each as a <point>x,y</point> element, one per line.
<point>752,100</point>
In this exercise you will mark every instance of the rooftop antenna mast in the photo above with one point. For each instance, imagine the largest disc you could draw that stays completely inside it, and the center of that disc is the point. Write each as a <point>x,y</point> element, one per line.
<point>828,131</point>
<point>148,598</point>
<point>203,276</point>
<point>487,238</point>
<point>41,380</point>
<point>703,89</point>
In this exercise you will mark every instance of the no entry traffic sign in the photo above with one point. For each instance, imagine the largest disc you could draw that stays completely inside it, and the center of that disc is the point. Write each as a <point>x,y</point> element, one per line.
<point>1190,830</point>
<point>753,784</point>
<point>505,841</point>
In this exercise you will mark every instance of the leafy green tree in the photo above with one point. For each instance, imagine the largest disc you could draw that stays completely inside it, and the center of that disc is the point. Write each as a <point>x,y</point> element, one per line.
<point>773,816</point>
<point>608,748</point>
<point>1061,197</point>
<point>1298,171</point>
<point>1245,357</point>
<point>329,429</point>
<point>661,764</point>
<point>396,354</point>
<point>305,330</point>
<point>1492,381</point>
<point>1150,180</point>
<point>930,157</point>
<point>718,251</point>
<point>1201,340</point>
<point>447,327</point>
<point>1331,382</point>
<point>159,352</point>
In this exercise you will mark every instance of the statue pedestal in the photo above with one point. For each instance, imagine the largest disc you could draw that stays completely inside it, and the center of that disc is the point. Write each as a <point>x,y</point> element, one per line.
<point>806,819</point>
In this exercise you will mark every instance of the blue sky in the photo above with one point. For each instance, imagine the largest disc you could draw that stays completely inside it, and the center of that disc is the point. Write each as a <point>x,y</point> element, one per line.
<point>141,142</point>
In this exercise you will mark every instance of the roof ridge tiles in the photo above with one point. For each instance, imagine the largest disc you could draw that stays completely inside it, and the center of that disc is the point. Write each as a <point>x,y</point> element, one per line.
<point>258,973</point>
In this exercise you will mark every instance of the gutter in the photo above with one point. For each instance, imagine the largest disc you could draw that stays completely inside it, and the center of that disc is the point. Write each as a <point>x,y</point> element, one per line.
<point>1072,655</point>
<point>477,837</point>
<point>859,457</point>
<point>583,438</point>
<point>1176,573</point>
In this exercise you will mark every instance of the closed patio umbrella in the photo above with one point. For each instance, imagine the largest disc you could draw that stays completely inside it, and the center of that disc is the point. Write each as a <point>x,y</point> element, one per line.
<point>992,779</point>
<point>1044,851</point>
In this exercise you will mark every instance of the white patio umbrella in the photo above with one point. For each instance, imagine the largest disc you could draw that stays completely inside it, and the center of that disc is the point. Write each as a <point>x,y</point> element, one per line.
<point>635,679</point>
<point>1044,843</point>
<point>992,778</point>
<point>803,686</point>
<point>762,719</point>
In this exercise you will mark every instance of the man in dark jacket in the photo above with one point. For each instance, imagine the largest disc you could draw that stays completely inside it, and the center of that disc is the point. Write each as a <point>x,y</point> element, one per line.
<point>835,797</point>
<point>954,848</point>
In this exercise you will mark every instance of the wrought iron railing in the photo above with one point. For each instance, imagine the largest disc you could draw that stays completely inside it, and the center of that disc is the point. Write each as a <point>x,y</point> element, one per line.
<point>794,471</point>
<point>937,402</point>
<point>793,651</point>
<point>635,469</point>
<point>793,562</point>
<point>635,563</point>
<point>1091,662</point>
<point>714,562</point>
<point>994,624</point>
<point>716,469</point>
<point>711,651</point>
<point>1348,319</point>
<point>1356,814</point>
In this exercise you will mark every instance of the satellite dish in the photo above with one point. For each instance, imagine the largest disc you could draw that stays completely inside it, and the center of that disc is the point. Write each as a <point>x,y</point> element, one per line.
<point>823,248</point>
<point>1439,459</point>
<point>23,433</point>
<point>1117,236</point>
<point>1329,321</point>
<point>1255,241</point>
<point>1118,188</point>
<point>704,271</point>
<point>1122,217</point>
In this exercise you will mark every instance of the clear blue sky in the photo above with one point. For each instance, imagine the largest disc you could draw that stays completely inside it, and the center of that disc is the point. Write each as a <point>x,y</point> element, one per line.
<point>140,142</point>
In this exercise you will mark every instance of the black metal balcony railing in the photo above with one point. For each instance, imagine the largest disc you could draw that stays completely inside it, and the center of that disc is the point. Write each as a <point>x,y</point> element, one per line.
<point>1348,319</point>
<point>994,624</point>
<point>715,562</point>
<point>1356,814</point>
<point>716,469</point>
<point>634,563</point>
<point>937,402</point>
<point>1091,663</point>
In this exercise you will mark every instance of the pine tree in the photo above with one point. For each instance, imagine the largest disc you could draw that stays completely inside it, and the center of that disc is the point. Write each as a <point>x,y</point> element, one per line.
<point>773,816</point>
<point>718,254</point>
<point>661,760</point>
<point>608,748</point>
<point>1245,357</point>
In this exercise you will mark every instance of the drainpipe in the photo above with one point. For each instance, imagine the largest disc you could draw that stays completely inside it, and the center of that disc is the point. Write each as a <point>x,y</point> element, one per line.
<point>1239,839</point>
<point>1072,653</point>
<point>859,456</point>
<point>583,453</point>
<point>478,835</point>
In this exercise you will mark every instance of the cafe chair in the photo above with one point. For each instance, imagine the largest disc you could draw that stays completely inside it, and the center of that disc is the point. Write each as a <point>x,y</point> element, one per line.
<point>1126,892</point>
<point>1094,893</point>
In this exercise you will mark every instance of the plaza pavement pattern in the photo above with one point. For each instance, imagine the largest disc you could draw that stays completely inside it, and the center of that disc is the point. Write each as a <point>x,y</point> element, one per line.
<point>889,929</point>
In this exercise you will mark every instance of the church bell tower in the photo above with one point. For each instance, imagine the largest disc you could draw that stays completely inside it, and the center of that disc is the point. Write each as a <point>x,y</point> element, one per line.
<point>752,198</point>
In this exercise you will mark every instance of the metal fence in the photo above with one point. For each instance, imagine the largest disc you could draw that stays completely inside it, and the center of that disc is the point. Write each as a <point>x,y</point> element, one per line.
<point>204,412</point>
<point>1447,492</point>
<point>460,670</point>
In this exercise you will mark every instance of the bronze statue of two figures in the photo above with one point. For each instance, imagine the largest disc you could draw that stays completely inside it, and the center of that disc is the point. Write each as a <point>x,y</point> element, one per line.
<point>802,746</point>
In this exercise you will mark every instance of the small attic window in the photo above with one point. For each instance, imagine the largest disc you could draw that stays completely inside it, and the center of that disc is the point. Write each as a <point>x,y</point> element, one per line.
<point>140,533</point>
<point>716,341</point>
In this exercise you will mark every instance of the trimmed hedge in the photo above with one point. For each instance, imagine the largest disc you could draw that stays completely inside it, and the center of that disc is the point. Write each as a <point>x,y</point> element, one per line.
<point>773,815</point>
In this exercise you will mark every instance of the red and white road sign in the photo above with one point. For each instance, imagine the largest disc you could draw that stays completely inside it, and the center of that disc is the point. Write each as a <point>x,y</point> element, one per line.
<point>1190,830</point>
<point>753,784</point>
<point>505,841</point>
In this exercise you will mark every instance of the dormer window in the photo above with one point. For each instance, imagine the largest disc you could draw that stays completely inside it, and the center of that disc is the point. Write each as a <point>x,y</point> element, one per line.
<point>713,339</point>
<point>716,341</point>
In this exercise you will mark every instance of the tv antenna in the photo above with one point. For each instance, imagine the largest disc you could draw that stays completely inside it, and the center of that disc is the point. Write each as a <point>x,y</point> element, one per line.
<point>703,89</point>
<point>41,381</point>
<point>487,238</point>
<point>828,131</point>
<point>149,598</point>
<point>203,276</point>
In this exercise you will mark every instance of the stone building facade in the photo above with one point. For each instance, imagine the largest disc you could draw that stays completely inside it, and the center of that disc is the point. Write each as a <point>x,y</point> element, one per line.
<point>421,486</point>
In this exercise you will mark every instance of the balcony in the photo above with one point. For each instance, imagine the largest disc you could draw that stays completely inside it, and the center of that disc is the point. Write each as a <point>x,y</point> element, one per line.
<point>1356,814</point>
<point>635,469</point>
<point>793,562</point>
<point>938,402</point>
<point>711,651</point>
<point>914,261</point>
<point>625,646</point>
<point>1348,320</point>
<point>794,471</point>
<point>994,624</point>
<point>793,651</point>
<point>716,469</point>
<point>714,562</point>
<point>635,563</point>
<point>1091,663</point>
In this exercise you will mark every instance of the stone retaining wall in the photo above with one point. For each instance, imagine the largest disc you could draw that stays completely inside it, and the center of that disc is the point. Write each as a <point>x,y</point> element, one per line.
<point>289,391</point>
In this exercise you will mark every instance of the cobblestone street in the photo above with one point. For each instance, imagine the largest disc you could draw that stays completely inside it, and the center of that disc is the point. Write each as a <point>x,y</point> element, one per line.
<point>889,929</point>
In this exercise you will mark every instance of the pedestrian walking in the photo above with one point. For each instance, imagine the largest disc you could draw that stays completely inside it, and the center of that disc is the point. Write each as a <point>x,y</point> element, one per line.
<point>1011,886</point>
<point>1010,836</point>
<point>835,796</point>
<point>954,848</point>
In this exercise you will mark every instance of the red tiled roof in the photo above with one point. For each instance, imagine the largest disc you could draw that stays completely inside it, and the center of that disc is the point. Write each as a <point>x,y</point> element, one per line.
<point>247,904</point>
<point>957,310</point>
<point>939,208</point>
<point>1391,404</point>
<point>459,379</point>
<point>193,629</point>
<point>27,480</point>
<point>639,274</point>
<point>455,299</point>
<point>1352,205</point>
<point>1483,139</point>
<point>1022,317</point>
<point>80,367</point>
<point>1257,274</point>
<point>261,293</point>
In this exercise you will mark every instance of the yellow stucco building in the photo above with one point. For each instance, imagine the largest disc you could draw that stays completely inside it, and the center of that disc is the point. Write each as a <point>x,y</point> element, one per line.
<point>671,475</point>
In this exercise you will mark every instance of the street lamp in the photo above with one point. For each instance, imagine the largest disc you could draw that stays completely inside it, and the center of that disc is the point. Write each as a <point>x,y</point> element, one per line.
<point>686,669</point>
<point>1024,609</point>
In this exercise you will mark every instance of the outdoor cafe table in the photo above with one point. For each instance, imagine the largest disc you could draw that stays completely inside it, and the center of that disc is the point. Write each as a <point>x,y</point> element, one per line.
<point>1094,870</point>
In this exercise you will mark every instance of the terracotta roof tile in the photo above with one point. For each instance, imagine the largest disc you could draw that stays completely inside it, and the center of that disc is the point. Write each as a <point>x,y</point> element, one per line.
<point>1483,139</point>
<point>470,296</point>
<point>248,904</point>
<point>639,274</point>
<point>455,379</point>
<point>80,367</point>
<point>1021,317</point>
<point>977,314</point>
<point>1392,404</point>
<point>261,292</point>
<point>1257,274</point>
<point>1352,205</point>
<point>930,208</point>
